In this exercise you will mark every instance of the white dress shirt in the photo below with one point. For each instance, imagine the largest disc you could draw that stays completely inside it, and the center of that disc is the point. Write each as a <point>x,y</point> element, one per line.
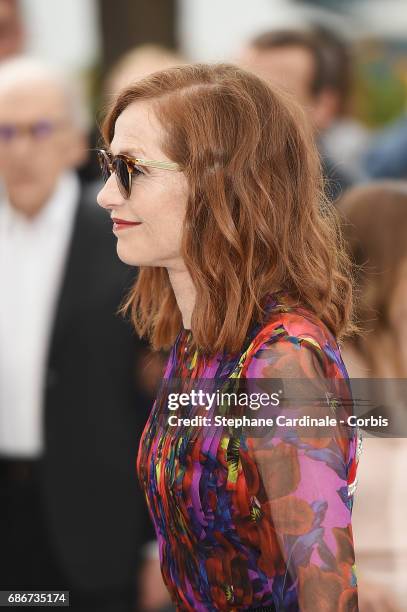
<point>32,260</point>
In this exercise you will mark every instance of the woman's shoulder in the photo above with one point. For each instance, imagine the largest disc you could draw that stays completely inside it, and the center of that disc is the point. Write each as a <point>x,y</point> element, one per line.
<point>293,332</point>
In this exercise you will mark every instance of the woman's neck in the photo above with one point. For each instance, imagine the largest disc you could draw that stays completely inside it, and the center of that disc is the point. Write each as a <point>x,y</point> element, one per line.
<point>185,294</point>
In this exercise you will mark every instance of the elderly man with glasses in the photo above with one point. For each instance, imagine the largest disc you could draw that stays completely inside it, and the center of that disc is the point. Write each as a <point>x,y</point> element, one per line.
<point>71,404</point>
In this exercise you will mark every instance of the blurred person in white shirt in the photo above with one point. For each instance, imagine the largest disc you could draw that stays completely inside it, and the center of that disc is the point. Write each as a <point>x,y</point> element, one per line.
<point>42,140</point>
<point>71,406</point>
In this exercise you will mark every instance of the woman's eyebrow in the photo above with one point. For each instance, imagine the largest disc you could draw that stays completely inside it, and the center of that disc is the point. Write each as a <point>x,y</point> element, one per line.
<point>130,152</point>
<point>135,152</point>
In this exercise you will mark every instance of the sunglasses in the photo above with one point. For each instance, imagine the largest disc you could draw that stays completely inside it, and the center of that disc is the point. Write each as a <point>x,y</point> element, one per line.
<point>125,167</point>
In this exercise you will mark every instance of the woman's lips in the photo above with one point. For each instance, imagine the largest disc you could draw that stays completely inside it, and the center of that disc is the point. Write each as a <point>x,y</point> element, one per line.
<point>120,224</point>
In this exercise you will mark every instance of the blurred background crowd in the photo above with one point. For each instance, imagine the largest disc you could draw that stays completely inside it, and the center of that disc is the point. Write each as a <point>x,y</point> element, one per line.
<point>75,383</point>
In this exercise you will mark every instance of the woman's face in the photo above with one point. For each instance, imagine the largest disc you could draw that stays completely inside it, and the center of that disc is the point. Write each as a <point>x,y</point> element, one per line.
<point>158,197</point>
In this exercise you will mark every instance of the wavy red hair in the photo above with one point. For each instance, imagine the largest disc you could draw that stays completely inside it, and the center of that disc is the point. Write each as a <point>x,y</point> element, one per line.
<point>256,220</point>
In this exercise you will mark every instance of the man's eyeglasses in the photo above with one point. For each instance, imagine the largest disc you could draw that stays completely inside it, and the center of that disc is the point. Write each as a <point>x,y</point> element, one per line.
<point>124,167</point>
<point>38,130</point>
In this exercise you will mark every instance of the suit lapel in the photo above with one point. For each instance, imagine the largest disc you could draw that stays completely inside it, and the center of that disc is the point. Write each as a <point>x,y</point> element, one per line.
<point>74,276</point>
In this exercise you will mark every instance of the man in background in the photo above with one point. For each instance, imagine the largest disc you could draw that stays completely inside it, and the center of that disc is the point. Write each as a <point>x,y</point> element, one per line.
<point>345,139</point>
<point>71,409</point>
<point>295,61</point>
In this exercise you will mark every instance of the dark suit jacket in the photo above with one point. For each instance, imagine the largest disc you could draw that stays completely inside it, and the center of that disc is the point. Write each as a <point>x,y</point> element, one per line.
<point>94,415</point>
<point>336,181</point>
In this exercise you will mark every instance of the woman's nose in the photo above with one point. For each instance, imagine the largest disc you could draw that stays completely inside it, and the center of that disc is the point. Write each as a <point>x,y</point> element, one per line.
<point>109,196</point>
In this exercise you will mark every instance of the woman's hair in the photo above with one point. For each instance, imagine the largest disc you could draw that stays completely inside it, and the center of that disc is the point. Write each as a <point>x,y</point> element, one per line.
<point>256,220</point>
<point>374,220</point>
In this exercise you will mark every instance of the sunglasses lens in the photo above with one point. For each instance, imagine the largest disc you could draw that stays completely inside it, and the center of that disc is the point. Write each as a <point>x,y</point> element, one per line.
<point>123,176</point>
<point>104,165</point>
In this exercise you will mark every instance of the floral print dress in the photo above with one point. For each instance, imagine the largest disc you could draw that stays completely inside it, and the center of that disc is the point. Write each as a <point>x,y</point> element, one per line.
<point>246,522</point>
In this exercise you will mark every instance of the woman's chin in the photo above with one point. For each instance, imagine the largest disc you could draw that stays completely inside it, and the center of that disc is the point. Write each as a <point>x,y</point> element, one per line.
<point>126,257</point>
<point>132,259</point>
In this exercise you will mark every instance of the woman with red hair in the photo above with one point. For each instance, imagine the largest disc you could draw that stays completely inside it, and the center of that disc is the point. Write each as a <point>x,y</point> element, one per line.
<point>214,187</point>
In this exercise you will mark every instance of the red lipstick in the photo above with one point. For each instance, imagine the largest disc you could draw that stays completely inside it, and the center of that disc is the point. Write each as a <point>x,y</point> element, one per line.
<point>120,224</point>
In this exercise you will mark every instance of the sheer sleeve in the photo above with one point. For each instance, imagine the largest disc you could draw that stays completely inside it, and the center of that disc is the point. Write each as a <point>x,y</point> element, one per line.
<point>297,483</point>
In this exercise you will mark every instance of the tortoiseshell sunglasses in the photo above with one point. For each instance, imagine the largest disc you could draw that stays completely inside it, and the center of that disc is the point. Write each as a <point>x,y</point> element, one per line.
<point>124,167</point>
